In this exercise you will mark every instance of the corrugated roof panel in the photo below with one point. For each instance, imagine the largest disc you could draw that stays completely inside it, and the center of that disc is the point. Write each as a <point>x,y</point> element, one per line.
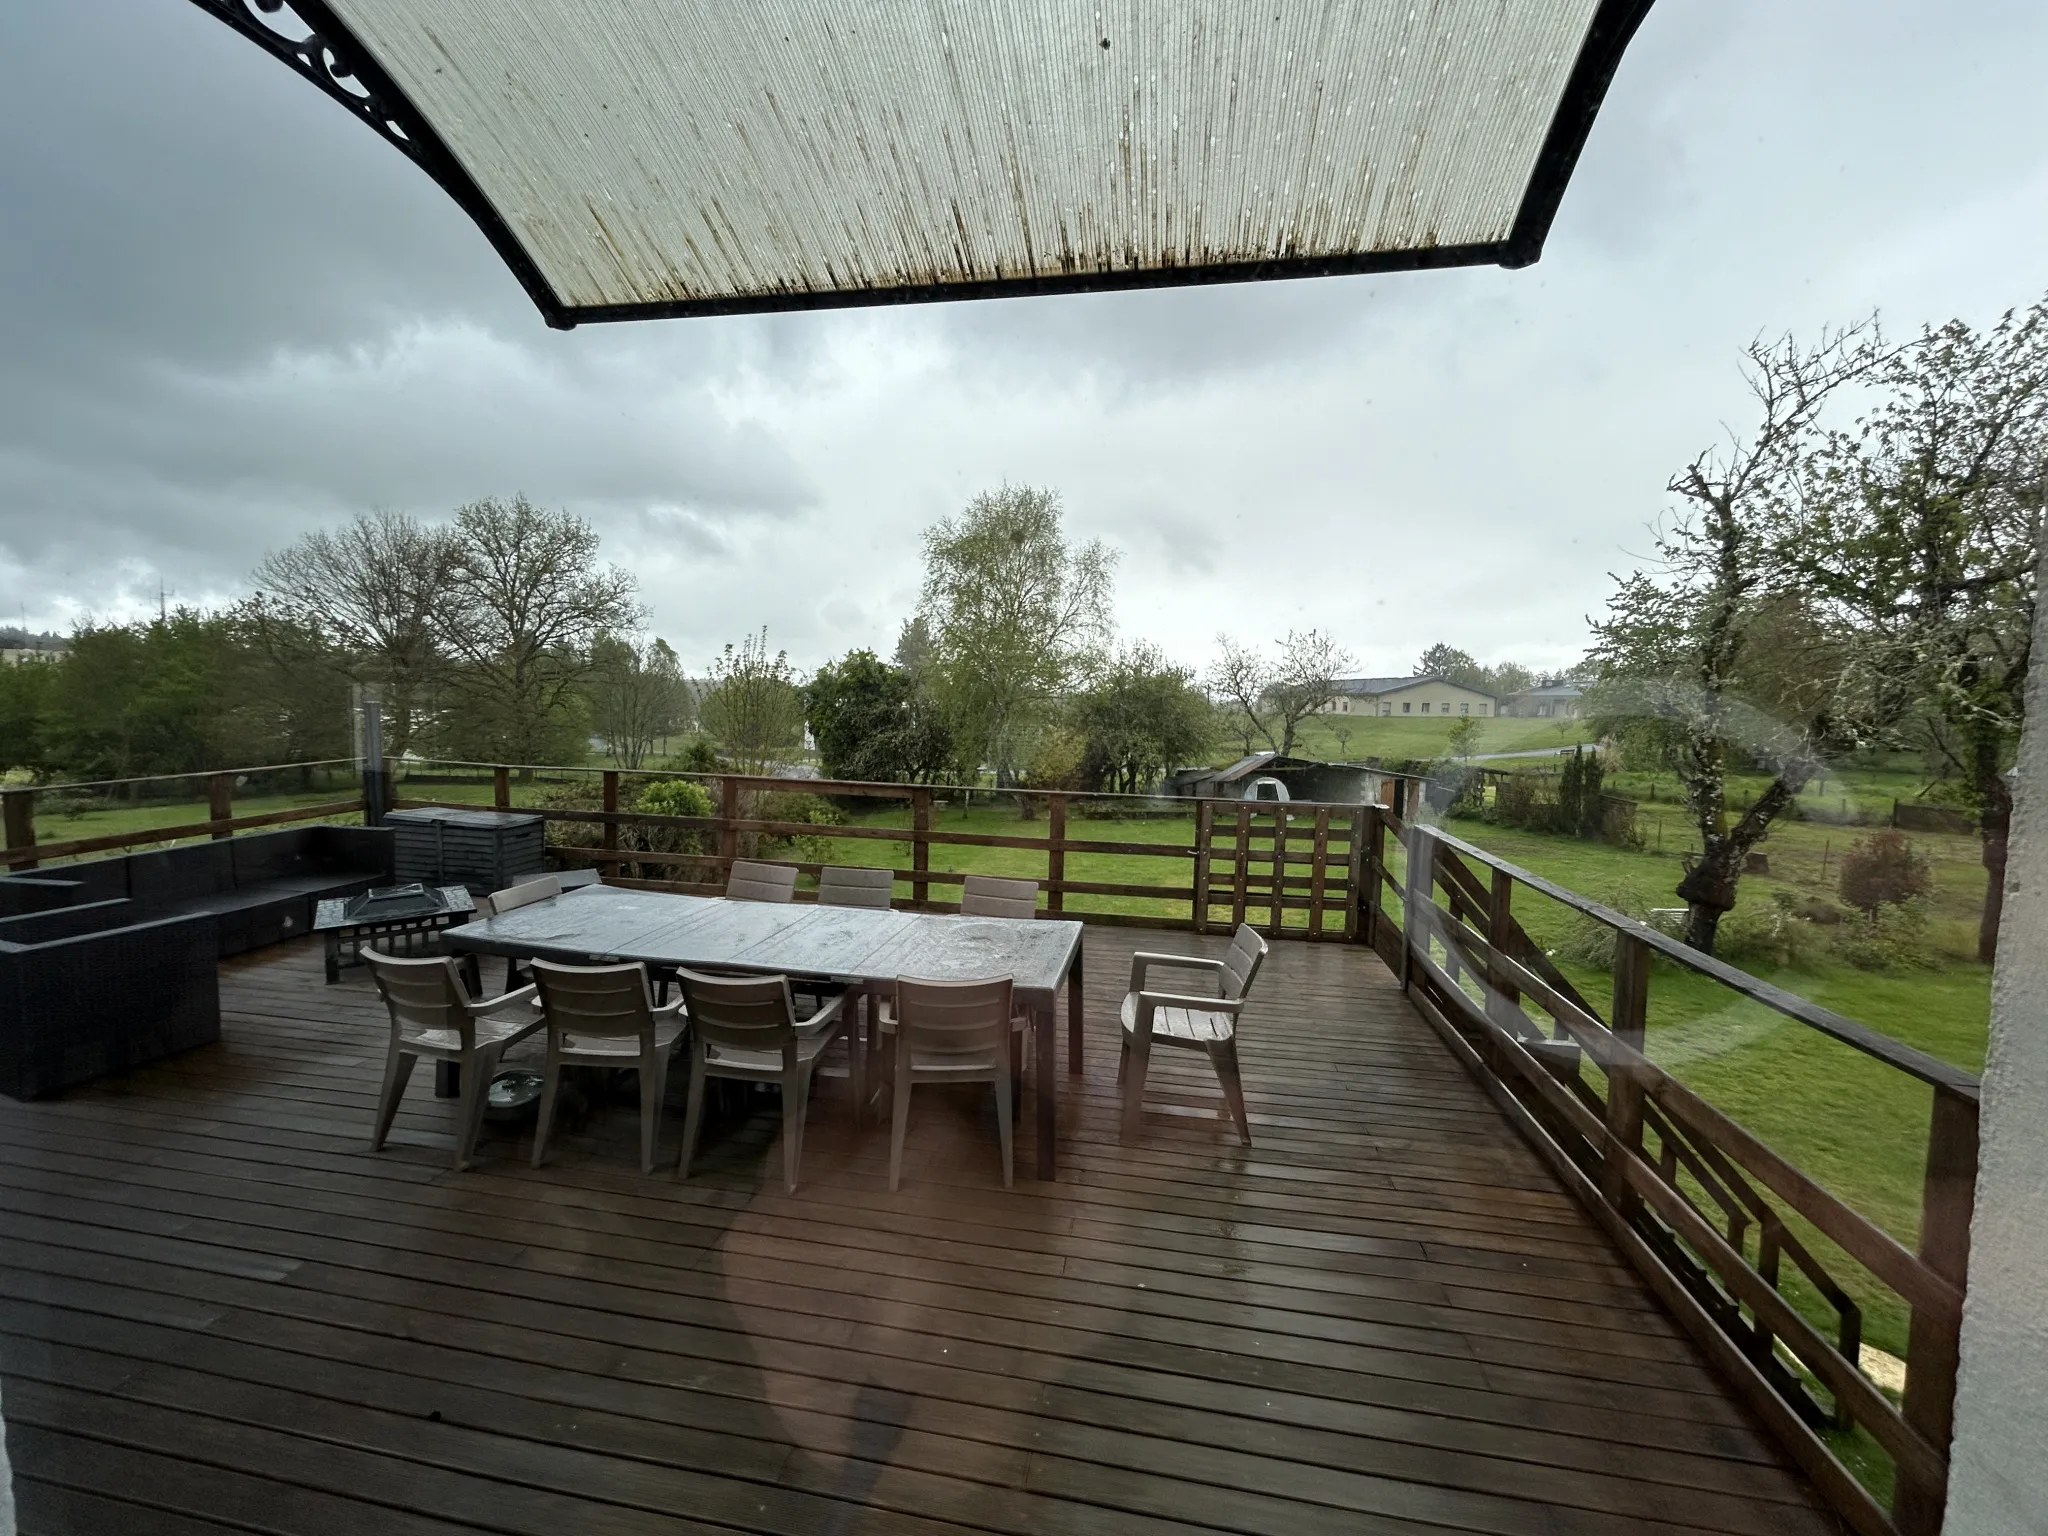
<point>649,152</point>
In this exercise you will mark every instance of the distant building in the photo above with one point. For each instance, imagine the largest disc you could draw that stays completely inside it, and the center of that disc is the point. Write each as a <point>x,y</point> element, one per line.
<point>14,656</point>
<point>1413,697</point>
<point>1553,701</point>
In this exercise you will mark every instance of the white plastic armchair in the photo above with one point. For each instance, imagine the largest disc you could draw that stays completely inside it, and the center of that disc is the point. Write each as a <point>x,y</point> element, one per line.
<point>1187,1020</point>
<point>434,1014</point>
<point>605,1016</point>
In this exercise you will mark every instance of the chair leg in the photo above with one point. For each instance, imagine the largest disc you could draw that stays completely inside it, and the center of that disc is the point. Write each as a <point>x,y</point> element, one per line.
<point>397,1068</point>
<point>1134,1087</point>
<point>1123,1060</point>
<point>693,1115</point>
<point>857,1058</point>
<point>1224,1054</point>
<point>651,1075</point>
<point>1005,1108</point>
<point>477,1069</point>
<point>551,1081</point>
<point>1017,1067</point>
<point>899,1122</point>
<point>796,1086</point>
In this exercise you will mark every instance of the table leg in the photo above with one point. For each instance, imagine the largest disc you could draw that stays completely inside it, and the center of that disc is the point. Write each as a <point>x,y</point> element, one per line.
<point>447,1079</point>
<point>1074,1014</point>
<point>1046,1088</point>
<point>333,958</point>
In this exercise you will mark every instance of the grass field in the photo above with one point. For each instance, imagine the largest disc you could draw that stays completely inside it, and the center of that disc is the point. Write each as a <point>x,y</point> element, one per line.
<point>1391,738</point>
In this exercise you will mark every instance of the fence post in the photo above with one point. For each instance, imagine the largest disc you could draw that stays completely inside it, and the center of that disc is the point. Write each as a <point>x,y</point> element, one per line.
<point>1414,933</point>
<point>501,787</point>
<point>1372,875</point>
<point>1241,855</point>
<point>1278,912</point>
<point>1056,856</point>
<point>729,833</point>
<point>1503,998</point>
<point>220,803</point>
<point>18,810</point>
<point>1354,875</point>
<point>920,844</point>
<point>611,825</point>
<point>1318,880</point>
<point>1947,1201</point>
<point>1205,833</point>
<point>1627,1020</point>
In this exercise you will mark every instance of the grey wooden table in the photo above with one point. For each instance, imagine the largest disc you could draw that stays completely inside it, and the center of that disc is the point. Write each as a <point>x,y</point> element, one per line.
<point>851,946</point>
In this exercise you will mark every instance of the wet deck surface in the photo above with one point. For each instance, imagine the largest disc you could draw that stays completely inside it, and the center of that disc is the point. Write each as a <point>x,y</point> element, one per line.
<point>219,1310</point>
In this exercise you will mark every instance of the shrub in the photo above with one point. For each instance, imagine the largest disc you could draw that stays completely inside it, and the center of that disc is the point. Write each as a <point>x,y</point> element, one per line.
<point>1774,935</point>
<point>1896,938</point>
<point>1588,941</point>
<point>1884,869</point>
<point>675,797</point>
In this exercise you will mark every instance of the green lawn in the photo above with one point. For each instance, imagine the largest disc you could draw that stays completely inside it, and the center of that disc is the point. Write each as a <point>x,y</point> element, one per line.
<point>1402,737</point>
<point>106,819</point>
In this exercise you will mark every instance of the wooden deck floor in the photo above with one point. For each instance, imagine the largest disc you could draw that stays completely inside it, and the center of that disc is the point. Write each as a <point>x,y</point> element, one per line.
<point>219,1310</point>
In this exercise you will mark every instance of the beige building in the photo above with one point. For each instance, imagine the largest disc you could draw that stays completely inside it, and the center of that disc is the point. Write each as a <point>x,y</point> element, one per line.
<point>1413,697</point>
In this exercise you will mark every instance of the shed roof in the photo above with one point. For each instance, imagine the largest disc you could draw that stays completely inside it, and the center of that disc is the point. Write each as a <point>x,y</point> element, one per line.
<point>644,158</point>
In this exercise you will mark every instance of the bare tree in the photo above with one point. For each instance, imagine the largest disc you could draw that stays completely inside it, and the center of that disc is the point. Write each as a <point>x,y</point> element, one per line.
<point>1268,700</point>
<point>371,595</point>
<point>637,695</point>
<point>754,706</point>
<point>527,605</point>
<point>1703,650</point>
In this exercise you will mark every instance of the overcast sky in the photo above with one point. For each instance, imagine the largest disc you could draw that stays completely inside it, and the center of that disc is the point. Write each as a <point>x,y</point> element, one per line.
<point>229,313</point>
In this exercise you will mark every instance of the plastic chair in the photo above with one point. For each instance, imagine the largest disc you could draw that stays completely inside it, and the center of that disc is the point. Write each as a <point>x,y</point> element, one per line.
<point>843,885</point>
<point>745,1028</point>
<point>951,1032</point>
<point>1188,1021</point>
<point>605,1016</point>
<point>434,1014</point>
<point>752,880</point>
<point>511,899</point>
<point>994,896</point>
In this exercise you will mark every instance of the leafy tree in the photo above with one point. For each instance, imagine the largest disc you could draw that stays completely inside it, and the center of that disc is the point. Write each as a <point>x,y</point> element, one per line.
<point>24,704</point>
<point>875,722</point>
<point>527,605</point>
<point>1703,646</point>
<point>1464,738</point>
<point>1015,613</point>
<point>1452,665</point>
<point>1922,528</point>
<point>638,694</point>
<point>137,699</point>
<point>1141,717</point>
<point>368,599</point>
<point>1267,700</point>
<point>754,707</point>
<point>1506,679</point>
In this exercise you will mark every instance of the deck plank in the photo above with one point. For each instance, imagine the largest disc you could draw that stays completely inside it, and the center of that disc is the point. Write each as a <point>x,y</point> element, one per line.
<point>219,1310</point>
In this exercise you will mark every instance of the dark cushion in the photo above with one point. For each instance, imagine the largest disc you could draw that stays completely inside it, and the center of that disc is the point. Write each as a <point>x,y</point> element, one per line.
<point>67,922</point>
<point>35,893</point>
<point>368,850</point>
<point>162,876</point>
<point>262,856</point>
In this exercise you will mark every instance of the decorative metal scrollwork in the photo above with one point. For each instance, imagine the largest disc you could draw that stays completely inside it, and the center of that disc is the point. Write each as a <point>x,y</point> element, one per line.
<point>322,59</point>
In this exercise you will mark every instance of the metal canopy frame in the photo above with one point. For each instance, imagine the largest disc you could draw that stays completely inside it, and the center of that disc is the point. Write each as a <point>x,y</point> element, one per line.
<point>330,56</point>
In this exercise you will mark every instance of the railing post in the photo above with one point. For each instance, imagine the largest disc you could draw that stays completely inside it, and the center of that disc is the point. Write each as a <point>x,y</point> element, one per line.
<point>1277,913</point>
<point>1205,834</point>
<point>1503,998</point>
<point>1372,876</point>
<point>18,811</point>
<point>1627,1020</point>
<point>1056,856</point>
<point>1241,855</point>
<point>220,802</point>
<point>729,811</point>
<point>501,787</point>
<point>1414,933</point>
<point>1947,1202</point>
<point>1354,875</point>
<point>611,811</point>
<point>920,844</point>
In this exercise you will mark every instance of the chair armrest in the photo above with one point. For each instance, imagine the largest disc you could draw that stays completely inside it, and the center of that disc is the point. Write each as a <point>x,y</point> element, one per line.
<point>827,1015</point>
<point>1230,1005</point>
<point>1142,961</point>
<point>506,1000</point>
<point>671,1009</point>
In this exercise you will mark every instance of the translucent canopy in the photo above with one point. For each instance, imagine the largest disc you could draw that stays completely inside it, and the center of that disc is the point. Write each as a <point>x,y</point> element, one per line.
<point>638,158</point>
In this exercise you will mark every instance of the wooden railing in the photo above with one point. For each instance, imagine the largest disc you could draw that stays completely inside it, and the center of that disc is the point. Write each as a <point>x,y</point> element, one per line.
<point>21,849</point>
<point>1702,1207</point>
<point>1290,868</point>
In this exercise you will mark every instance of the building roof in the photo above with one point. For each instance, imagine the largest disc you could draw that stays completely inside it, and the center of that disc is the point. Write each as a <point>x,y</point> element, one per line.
<point>1553,691</point>
<point>1373,687</point>
<point>641,158</point>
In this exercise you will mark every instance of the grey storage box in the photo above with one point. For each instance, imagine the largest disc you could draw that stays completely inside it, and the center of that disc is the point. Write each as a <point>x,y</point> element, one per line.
<point>483,850</point>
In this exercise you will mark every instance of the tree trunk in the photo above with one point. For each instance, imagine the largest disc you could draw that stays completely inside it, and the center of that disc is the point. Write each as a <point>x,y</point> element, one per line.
<point>1996,822</point>
<point>1708,889</point>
